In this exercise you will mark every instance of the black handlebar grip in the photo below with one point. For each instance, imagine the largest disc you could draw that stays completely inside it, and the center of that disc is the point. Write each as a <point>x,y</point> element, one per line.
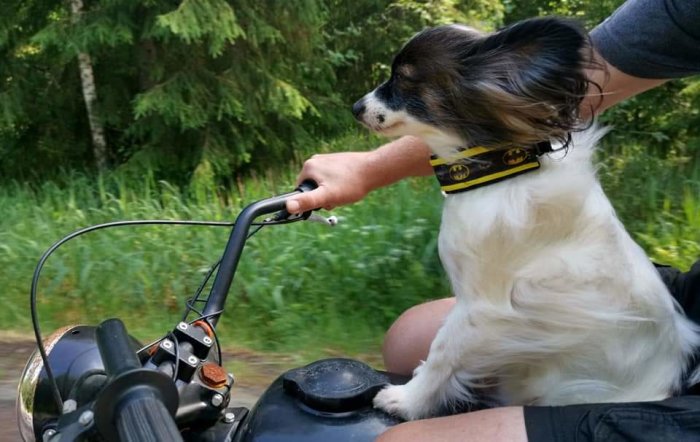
<point>133,398</point>
<point>307,186</point>
<point>113,342</point>
<point>143,418</point>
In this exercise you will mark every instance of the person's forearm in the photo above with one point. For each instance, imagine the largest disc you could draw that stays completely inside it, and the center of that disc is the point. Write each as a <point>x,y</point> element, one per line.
<point>346,177</point>
<point>610,86</point>
<point>401,158</point>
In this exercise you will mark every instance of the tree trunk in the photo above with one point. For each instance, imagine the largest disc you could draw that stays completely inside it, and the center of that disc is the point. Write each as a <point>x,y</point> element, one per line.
<point>87,80</point>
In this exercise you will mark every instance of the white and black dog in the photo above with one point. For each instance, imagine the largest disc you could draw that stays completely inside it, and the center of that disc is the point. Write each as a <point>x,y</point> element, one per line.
<point>556,304</point>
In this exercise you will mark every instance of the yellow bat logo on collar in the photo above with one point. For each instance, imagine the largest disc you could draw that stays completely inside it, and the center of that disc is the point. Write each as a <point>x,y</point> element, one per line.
<point>514,156</point>
<point>459,172</point>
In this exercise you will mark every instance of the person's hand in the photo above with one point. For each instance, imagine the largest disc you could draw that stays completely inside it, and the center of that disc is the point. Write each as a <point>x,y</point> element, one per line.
<point>346,177</point>
<point>342,178</point>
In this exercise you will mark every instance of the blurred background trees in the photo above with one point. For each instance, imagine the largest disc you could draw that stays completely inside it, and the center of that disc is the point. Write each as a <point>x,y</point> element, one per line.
<point>218,87</point>
<point>179,84</point>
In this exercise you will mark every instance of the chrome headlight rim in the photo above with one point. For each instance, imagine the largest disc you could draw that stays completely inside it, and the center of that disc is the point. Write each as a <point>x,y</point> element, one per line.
<point>29,380</point>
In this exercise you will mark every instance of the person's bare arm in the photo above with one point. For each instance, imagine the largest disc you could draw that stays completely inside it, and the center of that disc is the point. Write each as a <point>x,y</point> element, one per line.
<point>615,86</point>
<point>346,177</point>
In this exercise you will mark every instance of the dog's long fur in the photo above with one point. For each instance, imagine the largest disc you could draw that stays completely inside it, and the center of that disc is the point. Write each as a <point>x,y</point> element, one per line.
<point>556,304</point>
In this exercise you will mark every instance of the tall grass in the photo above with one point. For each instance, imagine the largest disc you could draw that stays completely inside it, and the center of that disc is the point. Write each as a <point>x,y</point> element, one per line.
<point>299,287</point>
<point>658,200</point>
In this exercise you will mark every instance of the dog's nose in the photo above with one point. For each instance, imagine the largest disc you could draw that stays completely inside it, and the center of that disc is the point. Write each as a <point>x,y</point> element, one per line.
<point>358,108</point>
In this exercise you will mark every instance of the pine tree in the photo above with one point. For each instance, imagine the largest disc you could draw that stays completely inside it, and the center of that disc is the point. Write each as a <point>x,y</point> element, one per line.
<point>87,81</point>
<point>36,97</point>
<point>201,81</point>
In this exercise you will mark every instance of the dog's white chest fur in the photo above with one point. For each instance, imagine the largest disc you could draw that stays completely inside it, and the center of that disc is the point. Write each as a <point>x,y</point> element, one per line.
<point>555,302</point>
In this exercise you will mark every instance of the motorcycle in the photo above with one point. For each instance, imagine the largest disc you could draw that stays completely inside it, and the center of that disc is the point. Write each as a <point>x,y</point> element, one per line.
<point>94,383</point>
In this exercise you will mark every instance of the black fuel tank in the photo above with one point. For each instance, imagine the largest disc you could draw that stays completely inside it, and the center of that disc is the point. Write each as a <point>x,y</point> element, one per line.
<point>328,400</point>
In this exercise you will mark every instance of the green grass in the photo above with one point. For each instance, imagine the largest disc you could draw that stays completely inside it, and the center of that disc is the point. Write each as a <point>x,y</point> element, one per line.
<point>299,287</point>
<point>303,288</point>
<point>658,200</point>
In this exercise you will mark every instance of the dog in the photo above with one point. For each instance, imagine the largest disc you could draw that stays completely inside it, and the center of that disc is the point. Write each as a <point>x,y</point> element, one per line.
<point>556,304</point>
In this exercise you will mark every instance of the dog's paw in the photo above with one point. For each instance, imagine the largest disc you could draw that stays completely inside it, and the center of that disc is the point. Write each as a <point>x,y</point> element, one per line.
<point>395,400</point>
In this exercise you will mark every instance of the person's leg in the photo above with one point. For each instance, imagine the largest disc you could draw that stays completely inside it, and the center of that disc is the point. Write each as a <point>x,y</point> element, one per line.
<point>408,340</point>
<point>495,425</point>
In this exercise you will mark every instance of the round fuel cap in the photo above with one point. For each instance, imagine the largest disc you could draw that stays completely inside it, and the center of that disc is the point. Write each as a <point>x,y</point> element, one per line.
<point>334,385</point>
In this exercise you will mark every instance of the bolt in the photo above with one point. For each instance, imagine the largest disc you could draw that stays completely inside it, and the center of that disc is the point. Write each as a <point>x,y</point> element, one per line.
<point>213,375</point>
<point>69,406</point>
<point>168,344</point>
<point>217,400</point>
<point>207,340</point>
<point>48,434</point>
<point>85,419</point>
<point>192,360</point>
<point>182,326</point>
<point>229,417</point>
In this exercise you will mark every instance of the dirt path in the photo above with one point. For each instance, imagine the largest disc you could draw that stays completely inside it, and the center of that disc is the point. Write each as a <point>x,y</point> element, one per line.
<point>253,373</point>
<point>13,355</point>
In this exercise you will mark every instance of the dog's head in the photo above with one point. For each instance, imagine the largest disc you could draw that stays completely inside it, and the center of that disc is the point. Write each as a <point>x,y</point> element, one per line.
<point>453,85</point>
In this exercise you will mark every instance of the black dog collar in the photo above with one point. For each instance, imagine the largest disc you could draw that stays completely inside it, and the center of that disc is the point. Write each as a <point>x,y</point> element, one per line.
<point>477,166</point>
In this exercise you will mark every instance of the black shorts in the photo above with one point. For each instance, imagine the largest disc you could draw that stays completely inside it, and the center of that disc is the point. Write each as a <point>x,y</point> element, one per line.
<point>673,419</point>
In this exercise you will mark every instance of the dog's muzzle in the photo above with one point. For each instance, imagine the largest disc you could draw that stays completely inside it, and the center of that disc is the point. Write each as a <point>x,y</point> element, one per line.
<point>358,109</point>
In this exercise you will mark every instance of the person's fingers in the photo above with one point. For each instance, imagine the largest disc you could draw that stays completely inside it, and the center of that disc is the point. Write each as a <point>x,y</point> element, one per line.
<point>309,170</point>
<point>309,200</point>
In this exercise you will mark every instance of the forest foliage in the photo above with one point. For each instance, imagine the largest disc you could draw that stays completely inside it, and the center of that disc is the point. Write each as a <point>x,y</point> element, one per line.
<point>218,87</point>
<point>209,104</point>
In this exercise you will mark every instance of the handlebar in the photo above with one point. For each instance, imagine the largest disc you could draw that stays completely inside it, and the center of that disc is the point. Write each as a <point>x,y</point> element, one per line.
<point>143,417</point>
<point>234,247</point>
<point>134,399</point>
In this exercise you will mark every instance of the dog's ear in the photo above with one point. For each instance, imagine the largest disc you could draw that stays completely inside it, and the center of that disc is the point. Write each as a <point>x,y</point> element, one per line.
<point>534,74</point>
<point>545,39</point>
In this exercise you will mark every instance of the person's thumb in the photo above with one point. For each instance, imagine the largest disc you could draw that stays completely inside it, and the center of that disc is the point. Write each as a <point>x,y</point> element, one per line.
<point>308,201</point>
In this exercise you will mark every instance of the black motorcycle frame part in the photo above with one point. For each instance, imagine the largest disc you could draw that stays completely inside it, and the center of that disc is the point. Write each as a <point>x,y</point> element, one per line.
<point>132,393</point>
<point>224,429</point>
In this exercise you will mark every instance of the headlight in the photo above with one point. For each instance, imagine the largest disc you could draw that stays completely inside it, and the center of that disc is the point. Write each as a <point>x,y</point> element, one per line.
<point>26,392</point>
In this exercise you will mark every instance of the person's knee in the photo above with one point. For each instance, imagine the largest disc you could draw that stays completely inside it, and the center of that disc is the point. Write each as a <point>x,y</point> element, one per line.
<point>399,348</point>
<point>408,340</point>
<point>399,433</point>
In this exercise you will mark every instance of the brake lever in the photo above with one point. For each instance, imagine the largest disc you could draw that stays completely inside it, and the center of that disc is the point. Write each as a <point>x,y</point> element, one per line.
<point>283,215</point>
<point>330,221</point>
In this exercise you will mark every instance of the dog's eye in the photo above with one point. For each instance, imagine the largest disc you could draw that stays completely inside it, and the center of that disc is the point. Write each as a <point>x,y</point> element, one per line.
<point>403,78</point>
